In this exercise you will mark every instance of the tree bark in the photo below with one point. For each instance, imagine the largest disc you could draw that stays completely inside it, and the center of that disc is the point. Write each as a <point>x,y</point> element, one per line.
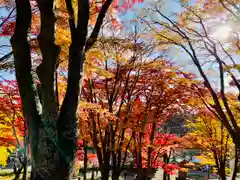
<point>67,121</point>
<point>22,62</point>
<point>222,172</point>
<point>48,159</point>
<point>55,135</point>
<point>235,170</point>
<point>104,174</point>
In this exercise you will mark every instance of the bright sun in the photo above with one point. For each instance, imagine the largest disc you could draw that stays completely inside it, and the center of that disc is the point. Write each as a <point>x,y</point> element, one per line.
<point>222,32</point>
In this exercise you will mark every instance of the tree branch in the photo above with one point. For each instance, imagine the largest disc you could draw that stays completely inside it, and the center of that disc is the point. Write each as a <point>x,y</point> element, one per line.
<point>7,18</point>
<point>94,35</point>
<point>6,56</point>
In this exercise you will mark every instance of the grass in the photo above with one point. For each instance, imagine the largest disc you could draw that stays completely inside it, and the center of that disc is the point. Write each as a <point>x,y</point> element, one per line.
<point>9,175</point>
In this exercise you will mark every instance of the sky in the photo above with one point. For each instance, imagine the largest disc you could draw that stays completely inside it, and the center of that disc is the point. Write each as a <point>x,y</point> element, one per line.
<point>178,57</point>
<point>176,54</point>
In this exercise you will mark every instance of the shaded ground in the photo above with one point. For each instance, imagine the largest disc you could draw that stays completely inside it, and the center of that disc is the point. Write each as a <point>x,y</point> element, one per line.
<point>193,175</point>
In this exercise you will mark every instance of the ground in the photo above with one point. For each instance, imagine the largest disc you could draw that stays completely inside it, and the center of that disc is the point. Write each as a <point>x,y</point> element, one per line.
<point>158,176</point>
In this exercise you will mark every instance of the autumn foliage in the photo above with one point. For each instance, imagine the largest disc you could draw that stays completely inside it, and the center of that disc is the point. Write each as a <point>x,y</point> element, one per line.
<point>127,94</point>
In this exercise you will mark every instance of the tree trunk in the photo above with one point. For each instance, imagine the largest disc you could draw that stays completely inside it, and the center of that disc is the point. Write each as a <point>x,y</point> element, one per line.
<point>22,62</point>
<point>52,137</point>
<point>92,177</point>
<point>48,159</point>
<point>104,175</point>
<point>182,175</point>
<point>115,175</point>
<point>67,127</point>
<point>222,173</point>
<point>24,172</point>
<point>235,170</point>
<point>85,161</point>
<point>17,172</point>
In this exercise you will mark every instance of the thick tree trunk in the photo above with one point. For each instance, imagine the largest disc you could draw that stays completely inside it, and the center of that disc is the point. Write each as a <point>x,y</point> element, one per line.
<point>48,160</point>
<point>22,61</point>
<point>58,134</point>
<point>67,128</point>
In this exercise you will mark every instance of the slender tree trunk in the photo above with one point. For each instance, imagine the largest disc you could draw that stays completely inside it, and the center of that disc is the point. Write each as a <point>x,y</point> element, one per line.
<point>222,173</point>
<point>67,128</point>
<point>17,172</point>
<point>92,177</point>
<point>105,173</point>
<point>25,160</point>
<point>85,161</point>
<point>24,172</point>
<point>166,176</point>
<point>235,170</point>
<point>105,169</point>
<point>139,157</point>
<point>116,174</point>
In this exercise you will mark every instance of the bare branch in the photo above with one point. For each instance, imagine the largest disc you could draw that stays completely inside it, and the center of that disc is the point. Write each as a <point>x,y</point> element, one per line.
<point>93,37</point>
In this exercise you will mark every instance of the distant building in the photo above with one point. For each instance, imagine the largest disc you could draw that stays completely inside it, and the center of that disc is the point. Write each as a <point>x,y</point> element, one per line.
<point>175,125</point>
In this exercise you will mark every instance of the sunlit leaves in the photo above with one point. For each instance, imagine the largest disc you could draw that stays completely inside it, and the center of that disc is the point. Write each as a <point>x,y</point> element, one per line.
<point>211,137</point>
<point>63,36</point>
<point>11,118</point>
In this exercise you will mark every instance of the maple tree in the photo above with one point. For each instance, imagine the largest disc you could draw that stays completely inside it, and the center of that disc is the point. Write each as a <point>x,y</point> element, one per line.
<point>126,101</point>
<point>53,129</point>
<point>213,139</point>
<point>195,32</point>
<point>209,133</point>
<point>13,129</point>
<point>126,94</point>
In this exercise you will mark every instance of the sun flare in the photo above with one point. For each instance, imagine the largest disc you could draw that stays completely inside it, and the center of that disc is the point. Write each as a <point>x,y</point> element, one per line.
<point>222,32</point>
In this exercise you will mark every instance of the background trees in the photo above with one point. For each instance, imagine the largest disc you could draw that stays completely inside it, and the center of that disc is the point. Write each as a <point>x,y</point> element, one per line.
<point>193,32</point>
<point>214,141</point>
<point>13,128</point>
<point>127,84</point>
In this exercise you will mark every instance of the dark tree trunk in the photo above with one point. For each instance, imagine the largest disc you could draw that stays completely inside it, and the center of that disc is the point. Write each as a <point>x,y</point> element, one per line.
<point>223,177</point>
<point>24,173</point>
<point>182,175</point>
<point>222,173</point>
<point>48,159</point>
<point>85,161</point>
<point>92,177</point>
<point>104,175</point>
<point>22,61</point>
<point>115,175</point>
<point>235,170</point>
<point>58,133</point>
<point>17,173</point>
<point>24,164</point>
<point>105,167</point>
